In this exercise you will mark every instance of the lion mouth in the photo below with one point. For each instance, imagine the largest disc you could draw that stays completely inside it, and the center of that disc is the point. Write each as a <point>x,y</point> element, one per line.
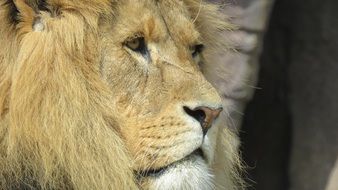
<point>160,171</point>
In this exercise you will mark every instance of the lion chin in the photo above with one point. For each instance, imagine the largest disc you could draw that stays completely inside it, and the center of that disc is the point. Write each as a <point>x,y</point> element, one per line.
<point>113,94</point>
<point>190,173</point>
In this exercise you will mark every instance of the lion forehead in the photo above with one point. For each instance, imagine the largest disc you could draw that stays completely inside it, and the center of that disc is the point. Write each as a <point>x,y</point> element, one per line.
<point>156,20</point>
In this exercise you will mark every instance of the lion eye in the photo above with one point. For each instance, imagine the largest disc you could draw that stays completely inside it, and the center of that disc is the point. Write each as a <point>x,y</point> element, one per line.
<point>195,50</point>
<point>137,45</point>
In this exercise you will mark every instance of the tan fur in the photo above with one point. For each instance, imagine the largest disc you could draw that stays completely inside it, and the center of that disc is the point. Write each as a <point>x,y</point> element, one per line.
<point>79,110</point>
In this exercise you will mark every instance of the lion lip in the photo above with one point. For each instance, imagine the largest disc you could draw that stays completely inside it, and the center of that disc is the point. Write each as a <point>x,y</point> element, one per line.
<point>160,171</point>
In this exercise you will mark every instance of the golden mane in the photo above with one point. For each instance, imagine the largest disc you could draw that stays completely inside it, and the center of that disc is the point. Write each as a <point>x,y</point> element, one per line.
<point>57,126</point>
<point>49,129</point>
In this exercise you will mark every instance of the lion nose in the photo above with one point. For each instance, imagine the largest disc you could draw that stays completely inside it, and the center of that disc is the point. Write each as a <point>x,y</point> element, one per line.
<point>205,115</point>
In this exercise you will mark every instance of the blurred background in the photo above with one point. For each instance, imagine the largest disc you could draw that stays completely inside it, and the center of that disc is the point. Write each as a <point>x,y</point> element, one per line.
<point>282,85</point>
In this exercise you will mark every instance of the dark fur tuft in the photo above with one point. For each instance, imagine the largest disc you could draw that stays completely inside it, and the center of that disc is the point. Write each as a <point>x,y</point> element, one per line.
<point>13,11</point>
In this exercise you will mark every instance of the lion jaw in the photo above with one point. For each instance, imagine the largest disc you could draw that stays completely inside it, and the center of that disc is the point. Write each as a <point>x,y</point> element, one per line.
<point>192,172</point>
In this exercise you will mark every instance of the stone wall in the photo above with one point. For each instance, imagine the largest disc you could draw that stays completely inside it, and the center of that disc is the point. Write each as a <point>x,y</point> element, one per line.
<point>290,129</point>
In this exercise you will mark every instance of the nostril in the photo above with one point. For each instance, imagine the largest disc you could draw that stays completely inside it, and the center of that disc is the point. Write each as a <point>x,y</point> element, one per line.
<point>198,114</point>
<point>204,115</point>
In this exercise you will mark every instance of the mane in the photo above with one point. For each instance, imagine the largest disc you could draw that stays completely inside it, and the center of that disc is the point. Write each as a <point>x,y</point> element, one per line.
<point>57,124</point>
<point>57,129</point>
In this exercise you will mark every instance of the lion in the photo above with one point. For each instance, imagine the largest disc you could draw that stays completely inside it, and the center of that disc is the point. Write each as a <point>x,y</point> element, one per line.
<point>110,94</point>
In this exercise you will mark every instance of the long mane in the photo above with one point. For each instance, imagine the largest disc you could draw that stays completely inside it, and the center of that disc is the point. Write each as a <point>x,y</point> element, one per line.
<point>57,124</point>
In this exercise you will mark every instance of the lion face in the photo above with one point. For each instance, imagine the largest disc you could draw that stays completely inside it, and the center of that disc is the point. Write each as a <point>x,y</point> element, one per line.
<point>164,104</point>
<point>110,94</point>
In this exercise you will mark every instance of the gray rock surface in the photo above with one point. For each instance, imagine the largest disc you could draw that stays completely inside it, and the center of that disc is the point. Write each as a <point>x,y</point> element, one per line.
<point>313,75</point>
<point>290,130</point>
<point>291,126</point>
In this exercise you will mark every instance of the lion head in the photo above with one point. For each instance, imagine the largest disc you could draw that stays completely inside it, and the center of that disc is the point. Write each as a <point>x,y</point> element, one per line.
<point>109,94</point>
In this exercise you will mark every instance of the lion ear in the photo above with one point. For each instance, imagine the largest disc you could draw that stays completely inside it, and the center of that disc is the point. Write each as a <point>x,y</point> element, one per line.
<point>24,10</point>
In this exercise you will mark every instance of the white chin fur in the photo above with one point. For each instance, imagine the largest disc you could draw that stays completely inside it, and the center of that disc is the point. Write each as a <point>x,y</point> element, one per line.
<point>192,174</point>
